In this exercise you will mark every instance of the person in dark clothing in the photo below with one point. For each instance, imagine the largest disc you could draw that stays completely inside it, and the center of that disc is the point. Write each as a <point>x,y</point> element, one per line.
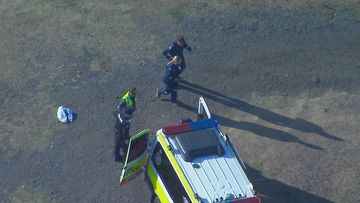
<point>169,79</point>
<point>122,125</point>
<point>121,137</point>
<point>177,49</point>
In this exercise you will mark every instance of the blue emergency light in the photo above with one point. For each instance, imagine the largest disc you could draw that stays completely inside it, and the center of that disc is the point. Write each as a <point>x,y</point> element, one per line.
<point>175,129</point>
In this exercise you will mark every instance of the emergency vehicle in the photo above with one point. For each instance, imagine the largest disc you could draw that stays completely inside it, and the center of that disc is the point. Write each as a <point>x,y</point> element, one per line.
<point>191,161</point>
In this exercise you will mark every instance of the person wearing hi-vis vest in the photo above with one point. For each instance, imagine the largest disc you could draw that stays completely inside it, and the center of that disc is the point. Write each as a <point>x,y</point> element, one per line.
<point>127,104</point>
<point>123,115</point>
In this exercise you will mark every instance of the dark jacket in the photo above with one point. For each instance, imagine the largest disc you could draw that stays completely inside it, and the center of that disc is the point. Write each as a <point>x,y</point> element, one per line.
<point>170,73</point>
<point>176,50</point>
<point>121,126</point>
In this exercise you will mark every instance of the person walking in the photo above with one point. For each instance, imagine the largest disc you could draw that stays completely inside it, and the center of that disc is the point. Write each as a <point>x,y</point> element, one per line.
<point>124,113</point>
<point>169,79</point>
<point>177,49</point>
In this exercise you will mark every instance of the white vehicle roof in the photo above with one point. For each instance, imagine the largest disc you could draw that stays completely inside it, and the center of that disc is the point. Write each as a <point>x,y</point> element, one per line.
<point>214,174</point>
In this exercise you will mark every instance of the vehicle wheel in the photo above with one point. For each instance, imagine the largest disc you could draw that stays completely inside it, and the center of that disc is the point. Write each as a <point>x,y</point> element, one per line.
<point>155,199</point>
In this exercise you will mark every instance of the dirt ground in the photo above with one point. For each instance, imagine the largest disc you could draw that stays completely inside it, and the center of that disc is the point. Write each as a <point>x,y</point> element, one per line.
<point>281,77</point>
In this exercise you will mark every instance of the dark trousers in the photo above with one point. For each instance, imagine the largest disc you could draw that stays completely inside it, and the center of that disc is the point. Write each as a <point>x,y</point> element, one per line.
<point>182,68</point>
<point>169,89</point>
<point>119,143</point>
<point>121,134</point>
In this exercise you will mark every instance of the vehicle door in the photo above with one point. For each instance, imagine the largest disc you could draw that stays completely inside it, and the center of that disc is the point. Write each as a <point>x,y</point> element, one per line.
<point>203,110</point>
<point>136,156</point>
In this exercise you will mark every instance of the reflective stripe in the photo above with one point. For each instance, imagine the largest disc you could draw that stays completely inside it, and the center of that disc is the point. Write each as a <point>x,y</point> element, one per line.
<point>157,183</point>
<point>147,130</point>
<point>134,167</point>
<point>128,101</point>
<point>178,171</point>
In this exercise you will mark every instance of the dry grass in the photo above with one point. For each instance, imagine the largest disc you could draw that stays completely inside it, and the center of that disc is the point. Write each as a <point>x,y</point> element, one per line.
<point>335,113</point>
<point>27,194</point>
<point>329,9</point>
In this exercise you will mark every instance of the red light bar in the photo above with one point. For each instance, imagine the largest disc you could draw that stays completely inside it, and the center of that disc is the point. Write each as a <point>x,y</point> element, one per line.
<point>176,129</point>
<point>248,200</point>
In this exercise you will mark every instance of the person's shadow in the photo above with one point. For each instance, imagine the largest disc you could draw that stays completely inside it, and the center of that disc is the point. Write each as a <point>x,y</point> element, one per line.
<point>269,116</point>
<point>271,191</point>
<point>253,127</point>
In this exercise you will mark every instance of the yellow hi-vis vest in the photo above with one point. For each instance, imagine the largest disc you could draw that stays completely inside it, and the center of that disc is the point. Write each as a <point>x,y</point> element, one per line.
<point>128,101</point>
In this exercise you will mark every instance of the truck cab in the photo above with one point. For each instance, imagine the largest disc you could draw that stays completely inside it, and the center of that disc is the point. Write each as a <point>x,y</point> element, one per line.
<point>190,161</point>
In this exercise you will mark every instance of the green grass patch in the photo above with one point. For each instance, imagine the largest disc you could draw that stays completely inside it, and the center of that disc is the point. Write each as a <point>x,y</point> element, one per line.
<point>329,9</point>
<point>351,10</point>
<point>28,194</point>
<point>177,14</point>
